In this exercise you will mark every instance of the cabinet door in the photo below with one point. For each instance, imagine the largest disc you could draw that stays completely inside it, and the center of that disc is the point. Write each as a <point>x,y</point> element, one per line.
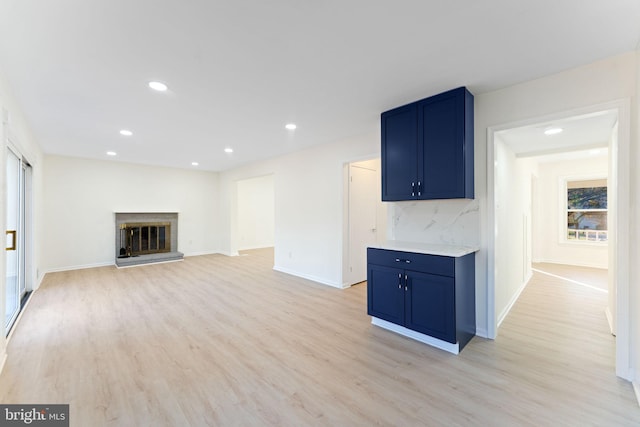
<point>399,152</point>
<point>430,305</point>
<point>385,293</point>
<point>441,162</point>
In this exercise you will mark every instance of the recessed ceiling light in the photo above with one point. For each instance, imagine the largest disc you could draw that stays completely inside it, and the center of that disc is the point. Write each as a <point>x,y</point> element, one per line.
<point>126,132</point>
<point>228,150</point>
<point>291,126</point>
<point>552,131</point>
<point>160,87</point>
<point>594,152</point>
<point>111,153</point>
<point>194,163</point>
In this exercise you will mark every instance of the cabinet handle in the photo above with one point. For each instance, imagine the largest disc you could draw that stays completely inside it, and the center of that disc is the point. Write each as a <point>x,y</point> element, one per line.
<point>406,282</point>
<point>408,261</point>
<point>419,189</point>
<point>413,189</point>
<point>399,280</point>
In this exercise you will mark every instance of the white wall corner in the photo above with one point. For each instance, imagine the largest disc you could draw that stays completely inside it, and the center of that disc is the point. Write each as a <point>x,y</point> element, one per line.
<point>482,332</point>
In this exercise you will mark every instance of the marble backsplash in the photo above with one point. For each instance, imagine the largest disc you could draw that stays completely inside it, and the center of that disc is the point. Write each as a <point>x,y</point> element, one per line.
<point>450,222</point>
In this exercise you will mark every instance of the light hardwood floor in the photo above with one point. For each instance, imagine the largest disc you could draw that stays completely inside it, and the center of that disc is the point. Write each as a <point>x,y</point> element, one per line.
<point>227,341</point>
<point>589,276</point>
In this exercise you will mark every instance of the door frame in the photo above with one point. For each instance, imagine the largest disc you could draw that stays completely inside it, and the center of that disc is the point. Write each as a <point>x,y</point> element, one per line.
<point>25,227</point>
<point>381,216</point>
<point>621,275</point>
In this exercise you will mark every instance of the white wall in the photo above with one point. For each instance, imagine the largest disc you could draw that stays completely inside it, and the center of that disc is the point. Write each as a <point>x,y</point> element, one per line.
<point>14,127</point>
<point>308,206</point>
<point>549,244</point>
<point>573,91</point>
<point>82,196</point>
<point>514,224</point>
<point>256,213</point>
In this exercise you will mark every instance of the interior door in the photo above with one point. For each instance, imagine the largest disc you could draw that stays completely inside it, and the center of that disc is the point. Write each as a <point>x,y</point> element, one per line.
<point>13,238</point>
<point>363,196</point>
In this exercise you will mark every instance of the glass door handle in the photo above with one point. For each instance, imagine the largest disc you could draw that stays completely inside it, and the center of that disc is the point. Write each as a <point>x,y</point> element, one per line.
<point>11,233</point>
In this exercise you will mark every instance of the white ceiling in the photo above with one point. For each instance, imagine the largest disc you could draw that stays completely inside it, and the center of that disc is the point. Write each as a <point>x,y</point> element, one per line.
<point>579,133</point>
<point>238,71</point>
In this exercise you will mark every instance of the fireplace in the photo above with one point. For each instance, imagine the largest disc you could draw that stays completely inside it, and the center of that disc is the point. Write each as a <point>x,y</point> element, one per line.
<point>146,237</point>
<point>143,238</point>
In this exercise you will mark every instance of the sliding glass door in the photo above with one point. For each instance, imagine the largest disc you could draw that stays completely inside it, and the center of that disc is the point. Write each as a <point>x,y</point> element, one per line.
<point>18,173</point>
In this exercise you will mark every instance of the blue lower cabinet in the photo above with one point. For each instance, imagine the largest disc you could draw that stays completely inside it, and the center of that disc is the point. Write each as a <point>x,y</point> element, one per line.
<point>430,305</point>
<point>386,293</point>
<point>425,296</point>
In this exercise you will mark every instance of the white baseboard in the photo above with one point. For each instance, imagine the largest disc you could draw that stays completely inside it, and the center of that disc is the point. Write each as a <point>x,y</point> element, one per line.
<point>636,389</point>
<point>316,279</point>
<point>513,300</point>
<point>607,313</point>
<point>250,248</point>
<point>426,339</point>
<point>79,267</point>
<point>4,360</point>
<point>203,253</point>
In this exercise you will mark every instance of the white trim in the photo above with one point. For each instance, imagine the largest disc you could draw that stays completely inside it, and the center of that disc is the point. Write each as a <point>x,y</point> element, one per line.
<point>622,243</point>
<point>491,226</point>
<point>636,390</point>
<point>609,316</point>
<point>425,339</point>
<point>576,242</point>
<point>316,279</point>
<point>78,267</point>
<point>515,297</point>
<point>202,253</point>
<point>482,332</point>
<point>4,360</point>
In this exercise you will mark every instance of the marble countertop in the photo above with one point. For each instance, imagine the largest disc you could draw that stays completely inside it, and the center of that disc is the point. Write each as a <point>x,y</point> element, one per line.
<point>426,248</point>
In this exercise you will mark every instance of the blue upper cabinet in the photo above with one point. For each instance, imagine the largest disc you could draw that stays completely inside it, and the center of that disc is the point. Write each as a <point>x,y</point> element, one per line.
<point>427,148</point>
<point>400,153</point>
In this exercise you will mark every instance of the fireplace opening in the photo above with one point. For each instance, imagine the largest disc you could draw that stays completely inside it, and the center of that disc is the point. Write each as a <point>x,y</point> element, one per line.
<point>144,238</point>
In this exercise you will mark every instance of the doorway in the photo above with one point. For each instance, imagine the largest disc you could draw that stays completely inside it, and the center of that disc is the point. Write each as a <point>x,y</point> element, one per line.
<point>255,209</point>
<point>365,218</point>
<point>18,219</point>
<point>614,122</point>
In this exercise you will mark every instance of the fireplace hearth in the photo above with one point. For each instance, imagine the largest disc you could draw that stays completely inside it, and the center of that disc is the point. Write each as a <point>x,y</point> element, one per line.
<point>146,237</point>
